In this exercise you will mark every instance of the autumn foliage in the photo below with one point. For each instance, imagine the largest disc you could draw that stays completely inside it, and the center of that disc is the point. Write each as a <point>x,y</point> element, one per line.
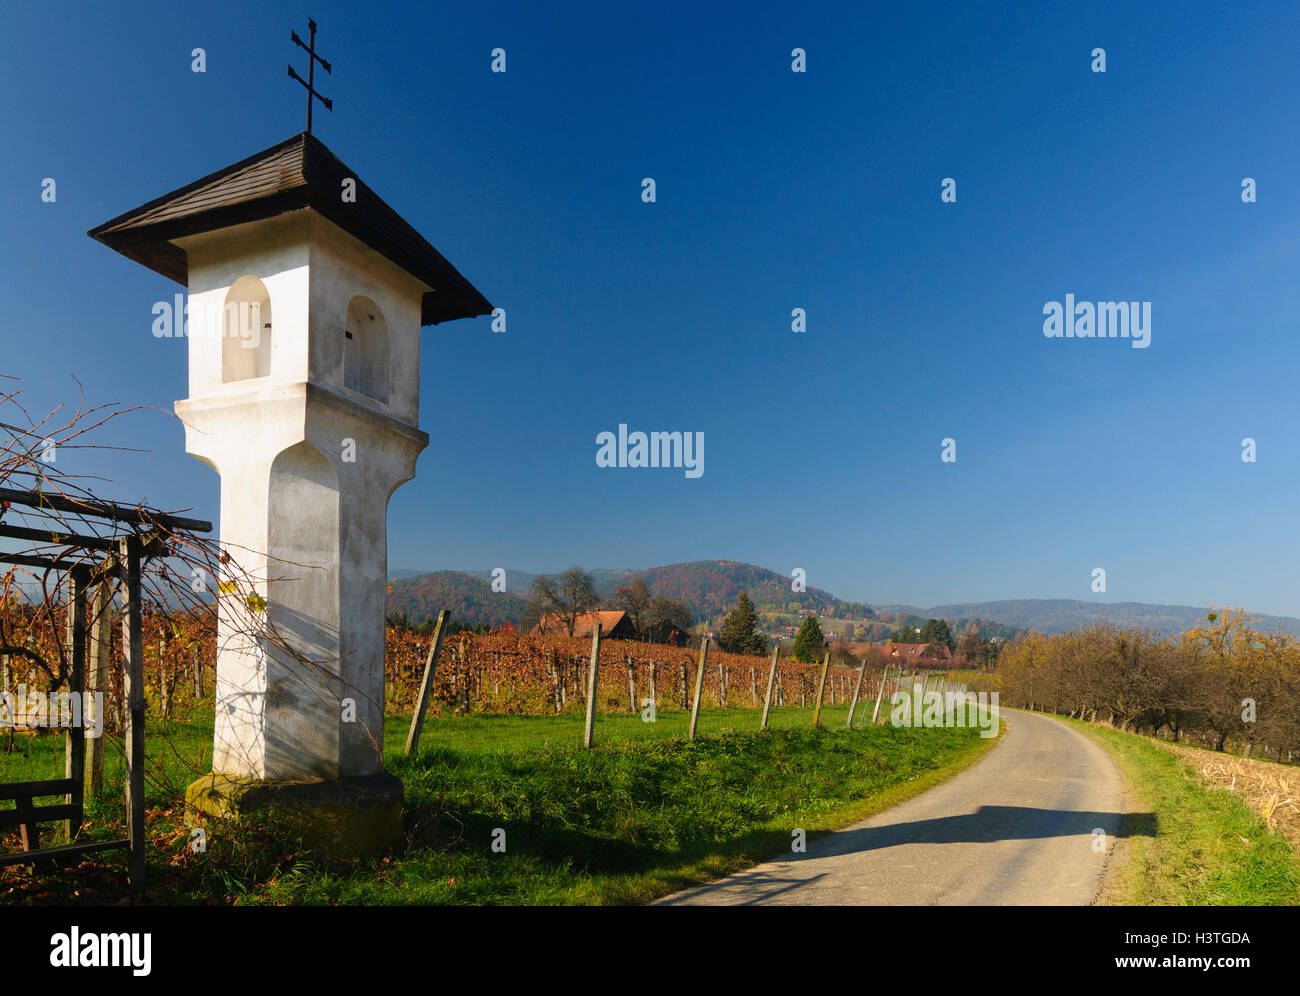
<point>513,672</point>
<point>1223,684</point>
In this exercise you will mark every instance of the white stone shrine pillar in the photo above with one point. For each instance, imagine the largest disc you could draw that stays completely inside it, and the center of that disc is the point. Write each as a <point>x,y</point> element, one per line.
<point>309,418</point>
<point>307,295</point>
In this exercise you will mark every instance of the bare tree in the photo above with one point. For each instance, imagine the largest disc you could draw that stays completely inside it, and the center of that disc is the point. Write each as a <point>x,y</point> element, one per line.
<point>565,597</point>
<point>634,599</point>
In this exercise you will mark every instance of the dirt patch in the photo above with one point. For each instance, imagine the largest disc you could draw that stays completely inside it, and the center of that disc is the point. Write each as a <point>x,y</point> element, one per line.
<point>1271,790</point>
<point>1115,885</point>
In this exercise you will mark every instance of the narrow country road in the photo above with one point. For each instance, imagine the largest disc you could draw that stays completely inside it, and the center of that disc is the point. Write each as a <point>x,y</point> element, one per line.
<point>1016,829</point>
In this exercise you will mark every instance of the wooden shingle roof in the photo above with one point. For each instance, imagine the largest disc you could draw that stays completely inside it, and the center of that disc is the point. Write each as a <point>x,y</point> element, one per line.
<point>299,172</point>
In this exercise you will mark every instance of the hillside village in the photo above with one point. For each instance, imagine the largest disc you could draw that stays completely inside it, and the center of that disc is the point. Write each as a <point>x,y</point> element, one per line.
<point>680,603</point>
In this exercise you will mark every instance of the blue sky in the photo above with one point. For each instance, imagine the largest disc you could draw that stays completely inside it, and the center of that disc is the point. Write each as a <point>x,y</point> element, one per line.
<point>775,190</point>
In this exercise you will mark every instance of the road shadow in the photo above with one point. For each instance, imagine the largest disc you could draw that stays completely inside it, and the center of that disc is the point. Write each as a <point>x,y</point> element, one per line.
<point>986,825</point>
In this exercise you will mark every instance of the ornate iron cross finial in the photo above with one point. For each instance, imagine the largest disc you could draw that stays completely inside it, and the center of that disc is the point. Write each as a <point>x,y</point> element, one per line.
<point>312,59</point>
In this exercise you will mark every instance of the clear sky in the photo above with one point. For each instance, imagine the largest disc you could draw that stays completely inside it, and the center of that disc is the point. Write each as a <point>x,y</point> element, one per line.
<point>775,190</point>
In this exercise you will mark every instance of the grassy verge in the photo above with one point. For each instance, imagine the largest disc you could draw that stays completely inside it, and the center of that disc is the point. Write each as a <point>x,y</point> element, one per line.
<point>641,816</point>
<point>1209,848</point>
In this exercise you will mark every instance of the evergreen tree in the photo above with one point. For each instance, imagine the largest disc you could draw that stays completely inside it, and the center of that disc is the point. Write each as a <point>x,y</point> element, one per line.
<point>936,631</point>
<point>907,630</point>
<point>809,643</point>
<point>737,635</point>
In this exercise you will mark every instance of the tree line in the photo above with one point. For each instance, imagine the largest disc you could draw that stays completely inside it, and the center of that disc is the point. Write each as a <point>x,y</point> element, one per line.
<point>1223,684</point>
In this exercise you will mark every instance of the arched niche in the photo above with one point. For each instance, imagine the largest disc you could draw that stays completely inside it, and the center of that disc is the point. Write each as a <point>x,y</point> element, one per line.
<point>365,349</point>
<point>303,551</point>
<point>246,331</point>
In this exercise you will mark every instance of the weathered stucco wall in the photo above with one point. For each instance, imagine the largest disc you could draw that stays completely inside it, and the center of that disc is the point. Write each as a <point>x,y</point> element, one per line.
<point>307,467</point>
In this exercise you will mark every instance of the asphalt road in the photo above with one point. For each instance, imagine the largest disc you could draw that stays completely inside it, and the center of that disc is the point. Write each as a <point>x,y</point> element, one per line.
<point>1016,829</point>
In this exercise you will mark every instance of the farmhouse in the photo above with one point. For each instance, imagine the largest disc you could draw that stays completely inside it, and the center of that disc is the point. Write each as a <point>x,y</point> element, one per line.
<point>918,654</point>
<point>614,625</point>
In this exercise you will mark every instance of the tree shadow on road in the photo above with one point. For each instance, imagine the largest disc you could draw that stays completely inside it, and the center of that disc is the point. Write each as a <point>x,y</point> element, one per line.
<point>986,825</point>
<point>989,823</point>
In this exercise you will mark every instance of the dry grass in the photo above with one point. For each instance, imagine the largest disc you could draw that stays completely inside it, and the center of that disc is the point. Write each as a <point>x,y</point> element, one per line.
<point>1211,847</point>
<point>1271,790</point>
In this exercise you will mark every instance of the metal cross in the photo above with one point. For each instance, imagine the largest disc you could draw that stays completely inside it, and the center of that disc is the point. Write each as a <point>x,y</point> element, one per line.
<point>312,59</point>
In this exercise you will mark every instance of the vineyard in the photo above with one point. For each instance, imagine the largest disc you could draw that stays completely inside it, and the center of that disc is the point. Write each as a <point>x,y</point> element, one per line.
<point>504,672</point>
<point>179,658</point>
<point>515,673</point>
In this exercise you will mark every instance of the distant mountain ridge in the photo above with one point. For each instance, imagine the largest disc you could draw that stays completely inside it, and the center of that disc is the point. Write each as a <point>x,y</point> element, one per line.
<point>1056,615</point>
<point>710,588</point>
<point>518,582</point>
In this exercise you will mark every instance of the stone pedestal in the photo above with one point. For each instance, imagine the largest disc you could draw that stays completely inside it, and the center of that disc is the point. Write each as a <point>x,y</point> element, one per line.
<point>336,818</point>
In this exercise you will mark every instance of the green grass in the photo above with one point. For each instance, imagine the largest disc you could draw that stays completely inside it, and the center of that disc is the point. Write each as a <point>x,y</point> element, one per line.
<point>180,751</point>
<point>1208,849</point>
<point>488,732</point>
<point>645,813</point>
<point>176,753</point>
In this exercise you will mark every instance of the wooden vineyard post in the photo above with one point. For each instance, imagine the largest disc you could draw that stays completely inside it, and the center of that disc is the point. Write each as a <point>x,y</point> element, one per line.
<point>463,674</point>
<point>426,683</point>
<point>75,749</point>
<point>631,683</point>
<point>164,692</point>
<point>771,680</point>
<point>593,678</point>
<point>884,676</point>
<point>101,642</point>
<point>699,684</point>
<point>821,689</point>
<point>557,690</point>
<point>857,687</point>
<point>196,673</point>
<point>133,692</point>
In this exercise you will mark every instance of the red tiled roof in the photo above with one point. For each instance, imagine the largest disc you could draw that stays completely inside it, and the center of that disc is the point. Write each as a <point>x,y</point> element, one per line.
<point>917,650</point>
<point>553,624</point>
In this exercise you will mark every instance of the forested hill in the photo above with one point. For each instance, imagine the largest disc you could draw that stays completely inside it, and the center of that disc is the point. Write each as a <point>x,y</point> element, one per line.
<point>470,599</point>
<point>708,587</point>
<point>711,587</point>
